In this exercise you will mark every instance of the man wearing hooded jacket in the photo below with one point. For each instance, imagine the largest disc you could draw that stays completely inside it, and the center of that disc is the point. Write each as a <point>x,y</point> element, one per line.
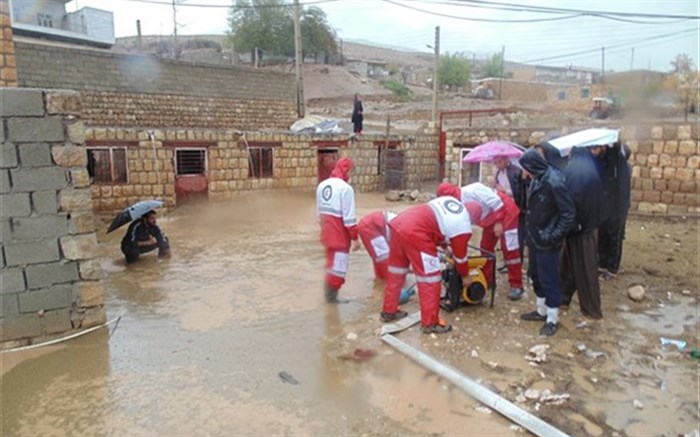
<point>497,214</point>
<point>550,215</point>
<point>335,209</point>
<point>415,235</point>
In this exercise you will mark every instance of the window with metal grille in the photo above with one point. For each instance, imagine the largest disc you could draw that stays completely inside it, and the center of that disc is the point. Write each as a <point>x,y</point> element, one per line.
<point>107,164</point>
<point>191,161</point>
<point>260,162</point>
<point>44,20</point>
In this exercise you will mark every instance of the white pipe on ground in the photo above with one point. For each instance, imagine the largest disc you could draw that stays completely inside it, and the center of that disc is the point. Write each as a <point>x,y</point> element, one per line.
<point>532,423</point>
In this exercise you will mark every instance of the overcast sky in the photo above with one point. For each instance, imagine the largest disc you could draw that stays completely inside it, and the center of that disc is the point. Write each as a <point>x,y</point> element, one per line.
<point>655,42</point>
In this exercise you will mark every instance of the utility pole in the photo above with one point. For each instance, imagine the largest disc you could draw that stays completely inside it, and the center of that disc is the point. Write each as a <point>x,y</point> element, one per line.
<point>435,73</point>
<point>177,50</point>
<point>632,60</point>
<point>298,53</point>
<point>139,41</point>
<point>503,65</point>
<point>602,67</point>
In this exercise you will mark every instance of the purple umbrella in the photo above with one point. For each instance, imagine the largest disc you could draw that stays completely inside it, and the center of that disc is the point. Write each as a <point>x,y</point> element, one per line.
<point>493,149</point>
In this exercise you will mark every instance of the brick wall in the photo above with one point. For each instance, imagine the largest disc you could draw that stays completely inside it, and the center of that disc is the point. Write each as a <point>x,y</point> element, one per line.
<point>50,279</point>
<point>8,72</point>
<point>152,173</point>
<point>144,91</point>
<point>665,162</point>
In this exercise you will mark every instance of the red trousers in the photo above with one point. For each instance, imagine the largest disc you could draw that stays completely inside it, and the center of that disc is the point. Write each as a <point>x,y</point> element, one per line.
<point>378,250</point>
<point>336,267</point>
<point>422,255</point>
<point>511,253</point>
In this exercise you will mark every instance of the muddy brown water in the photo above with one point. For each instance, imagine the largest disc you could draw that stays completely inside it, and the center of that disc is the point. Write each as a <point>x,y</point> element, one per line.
<point>204,336</point>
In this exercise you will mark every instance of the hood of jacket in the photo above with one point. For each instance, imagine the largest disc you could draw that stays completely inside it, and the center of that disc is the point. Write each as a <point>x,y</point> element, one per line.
<point>534,163</point>
<point>448,189</point>
<point>552,156</point>
<point>342,169</point>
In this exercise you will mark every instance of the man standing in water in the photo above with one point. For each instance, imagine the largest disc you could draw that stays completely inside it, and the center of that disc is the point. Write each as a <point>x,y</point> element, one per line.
<point>335,210</point>
<point>144,236</point>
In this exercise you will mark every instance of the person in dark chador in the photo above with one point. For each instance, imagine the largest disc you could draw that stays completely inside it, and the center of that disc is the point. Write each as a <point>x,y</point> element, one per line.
<point>144,236</point>
<point>357,116</point>
<point>579,261</point>
<point>617,180</point>
<point>550,215</point>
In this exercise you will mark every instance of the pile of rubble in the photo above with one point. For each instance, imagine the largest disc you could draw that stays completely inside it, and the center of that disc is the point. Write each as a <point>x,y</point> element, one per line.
<point>408,195</point>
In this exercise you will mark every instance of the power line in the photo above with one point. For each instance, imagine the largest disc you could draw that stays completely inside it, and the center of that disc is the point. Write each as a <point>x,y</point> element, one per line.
<point>229,6</point>
<point>547,9</point>
<point>485,20</point>
<point>612,46</point>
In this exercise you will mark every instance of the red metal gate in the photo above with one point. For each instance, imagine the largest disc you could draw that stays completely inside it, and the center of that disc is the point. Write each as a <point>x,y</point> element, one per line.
<point>191,181</point>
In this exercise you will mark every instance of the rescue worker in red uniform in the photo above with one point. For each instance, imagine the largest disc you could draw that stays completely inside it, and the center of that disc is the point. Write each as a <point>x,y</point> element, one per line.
<point>335,210</point>
<point>415,235</point>
<point>373,230</point>
<point>497,214</point>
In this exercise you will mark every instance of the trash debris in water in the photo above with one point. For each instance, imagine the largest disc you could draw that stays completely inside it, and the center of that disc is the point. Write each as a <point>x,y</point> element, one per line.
<point>288,378</point>
<point>537,353</point>
<point>680,344</point>
<point>359,355</point>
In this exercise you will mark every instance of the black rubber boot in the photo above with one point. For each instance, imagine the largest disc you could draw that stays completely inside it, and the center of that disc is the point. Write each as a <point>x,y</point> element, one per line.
<point>391,317</point>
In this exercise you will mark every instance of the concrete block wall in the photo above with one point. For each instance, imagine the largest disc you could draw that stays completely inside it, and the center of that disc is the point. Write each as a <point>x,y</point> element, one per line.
<point>151,172</point>
<point>141,91</point>
<point>8,70</point>
<point>665,161</point>
<point>49,280</point>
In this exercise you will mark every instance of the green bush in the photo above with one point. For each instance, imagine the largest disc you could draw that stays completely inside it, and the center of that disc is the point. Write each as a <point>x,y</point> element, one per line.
<point>400,90</point>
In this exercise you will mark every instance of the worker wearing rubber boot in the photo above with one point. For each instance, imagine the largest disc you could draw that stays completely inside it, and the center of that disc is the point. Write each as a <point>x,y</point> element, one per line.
<point>550,216</point>
<point>497,214</point>
<point>335,210</point>
<point>415,235</point>
<point>373,230</point>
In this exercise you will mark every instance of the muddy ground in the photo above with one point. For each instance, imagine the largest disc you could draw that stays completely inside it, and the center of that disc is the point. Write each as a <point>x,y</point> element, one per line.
<point>204,337</point>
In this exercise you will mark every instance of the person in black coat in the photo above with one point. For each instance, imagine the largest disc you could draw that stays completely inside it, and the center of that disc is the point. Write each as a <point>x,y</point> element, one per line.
<point>579,262</point>
<point>357,116</point>
<point>549,217</point>
<point>143,236</point>
<point>617,184</point>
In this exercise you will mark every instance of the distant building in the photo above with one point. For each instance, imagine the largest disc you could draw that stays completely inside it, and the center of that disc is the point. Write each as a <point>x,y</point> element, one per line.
<point>545,73</point>
<point>48,19</point>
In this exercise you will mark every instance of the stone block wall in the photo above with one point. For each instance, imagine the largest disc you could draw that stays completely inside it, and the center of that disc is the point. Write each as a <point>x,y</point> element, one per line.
<point>152,172</point>
<point>665,161</point>
<point>50,281</point>
<point>141,91</point>
<point>8,70</point>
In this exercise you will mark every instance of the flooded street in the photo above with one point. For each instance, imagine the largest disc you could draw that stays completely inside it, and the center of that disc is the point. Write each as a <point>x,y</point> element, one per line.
<point>205,335</point>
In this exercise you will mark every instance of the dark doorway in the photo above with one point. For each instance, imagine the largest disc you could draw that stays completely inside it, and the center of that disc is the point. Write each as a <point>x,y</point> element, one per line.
<point>394,165</point>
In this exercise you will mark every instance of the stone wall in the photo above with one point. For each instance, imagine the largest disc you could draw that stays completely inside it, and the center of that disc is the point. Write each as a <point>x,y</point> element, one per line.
<point>129,90</point>
<point>152,172</point>
<point>8,72</point>
<point>50,279</point>
<point>665,162</point>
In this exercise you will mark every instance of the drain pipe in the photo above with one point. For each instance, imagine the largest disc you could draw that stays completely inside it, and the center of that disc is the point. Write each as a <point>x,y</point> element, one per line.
<point>528,421</point>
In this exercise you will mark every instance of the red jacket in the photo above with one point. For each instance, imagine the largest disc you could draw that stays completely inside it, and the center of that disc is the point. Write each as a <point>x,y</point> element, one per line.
<point>335,207</point>
<point>432,224</point>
